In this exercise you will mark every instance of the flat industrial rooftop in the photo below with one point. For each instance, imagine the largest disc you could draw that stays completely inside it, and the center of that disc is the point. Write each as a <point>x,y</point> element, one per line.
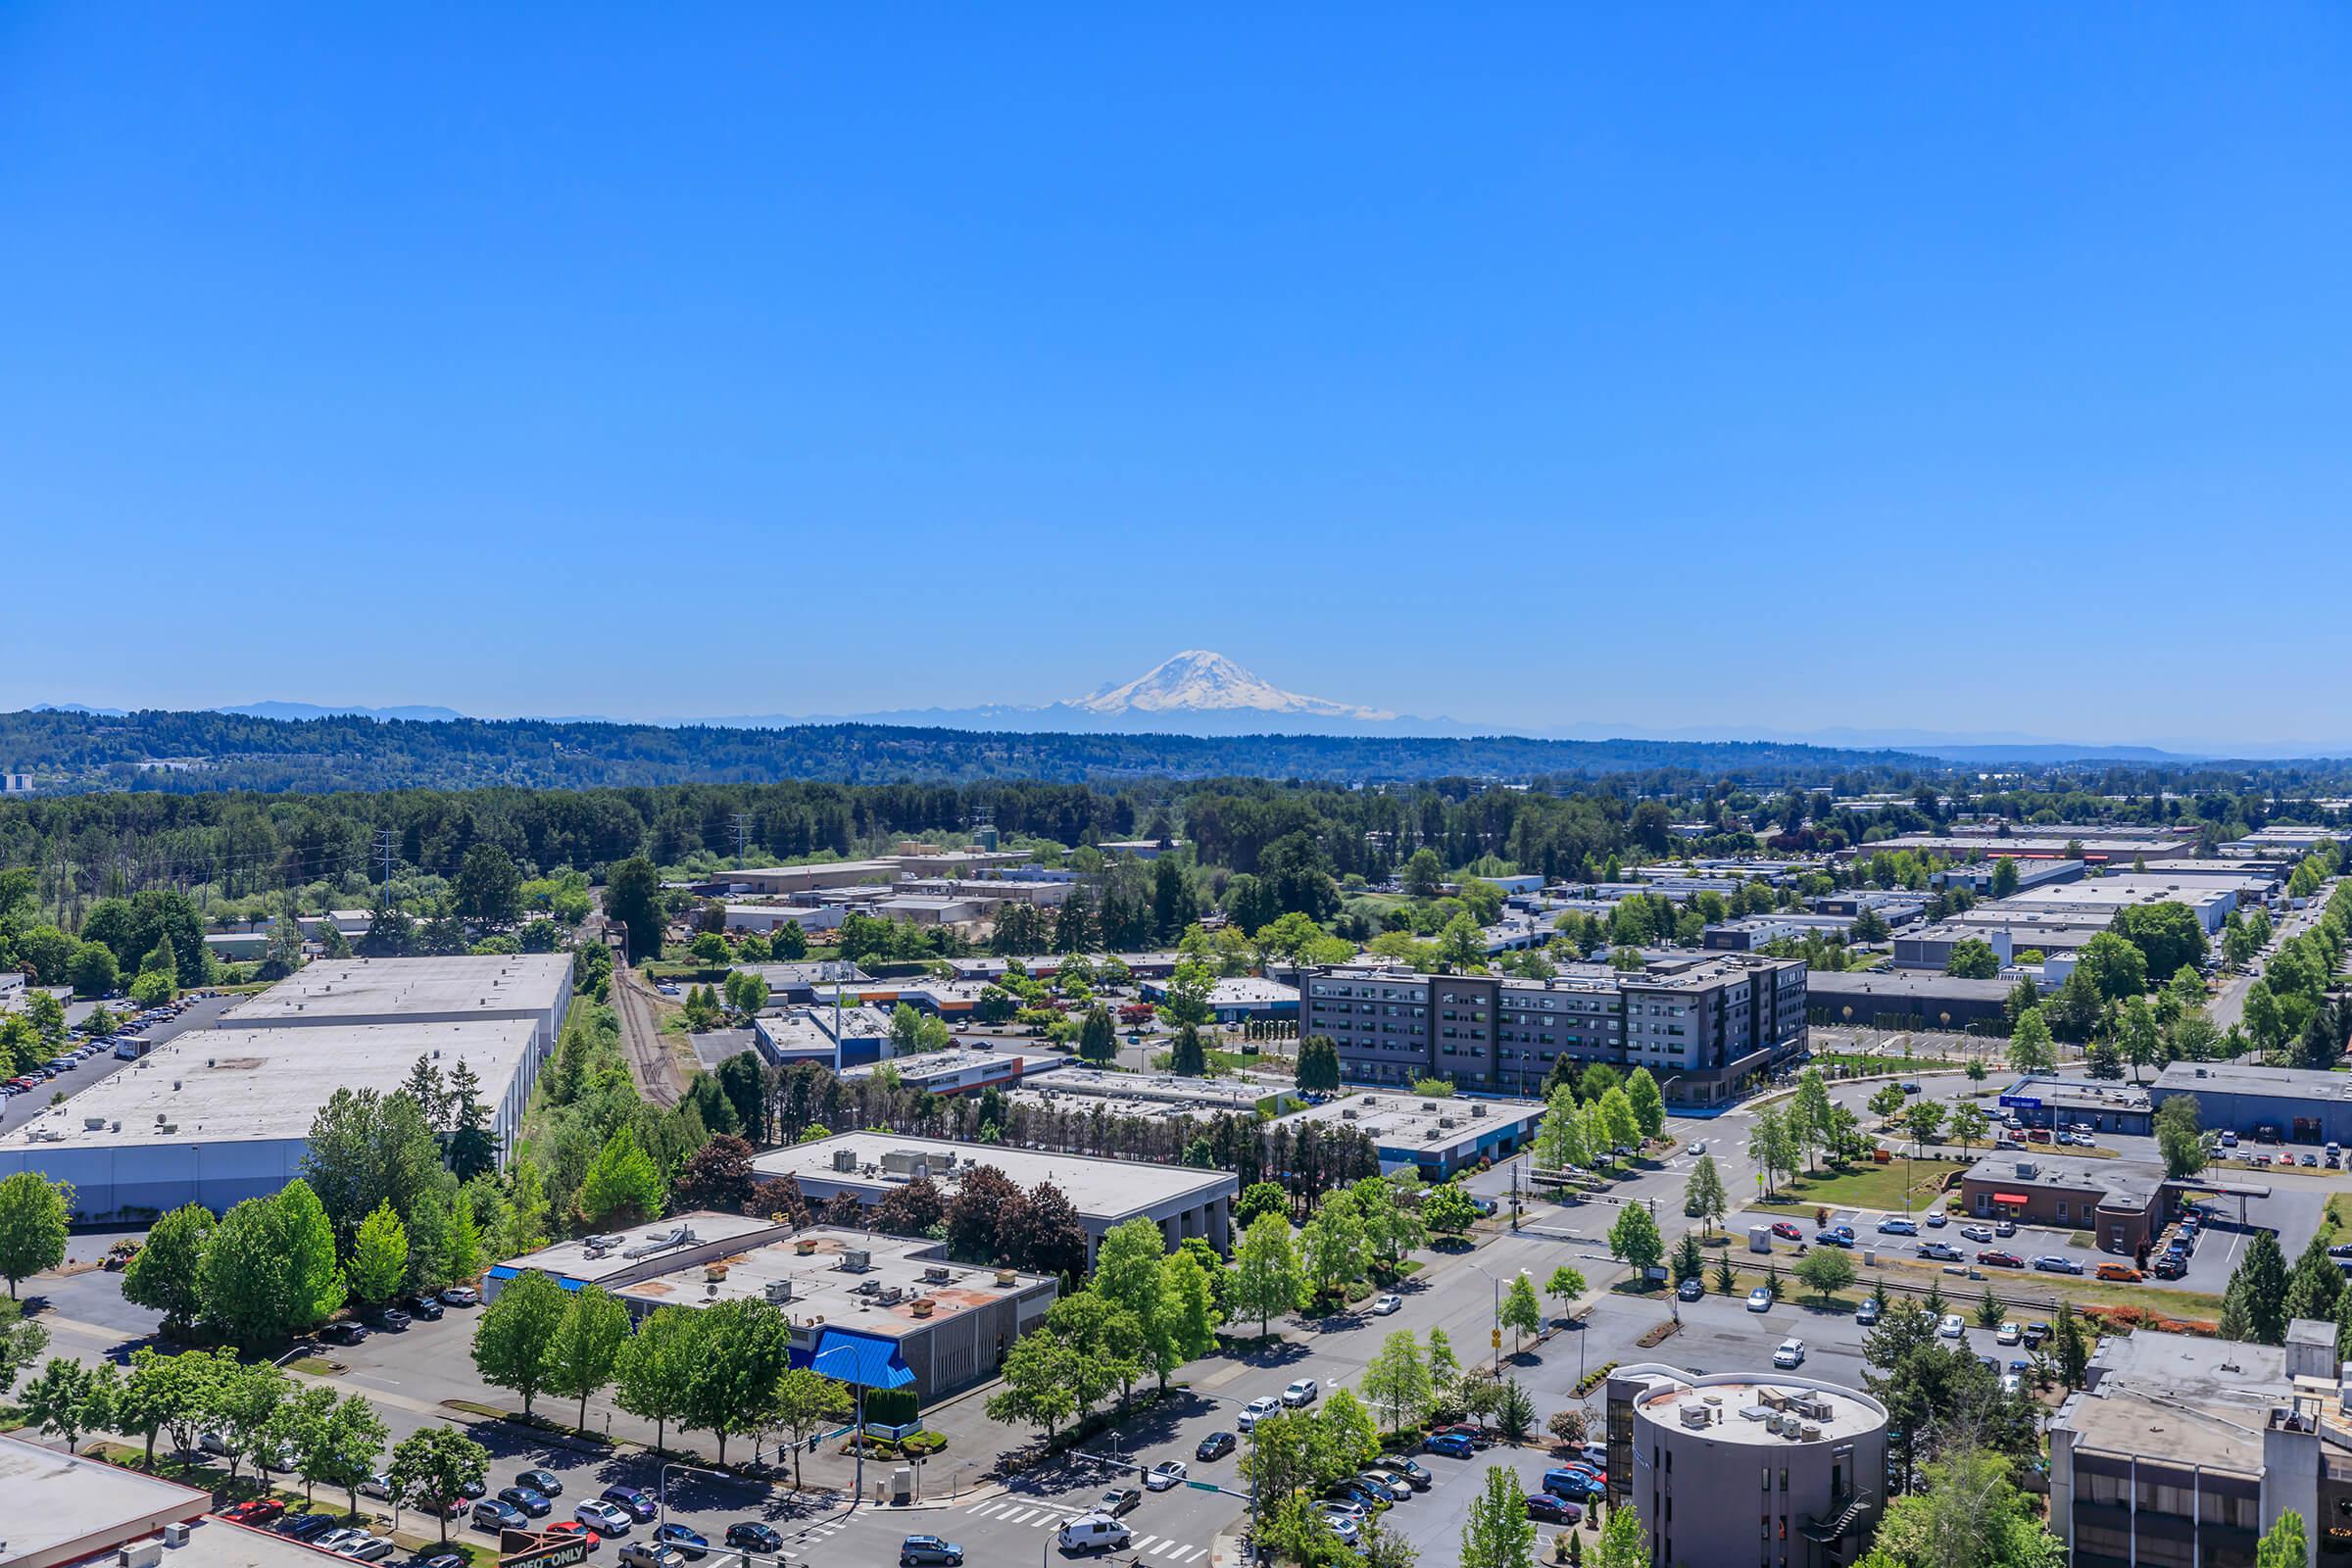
<point>375,990</point>
<point>226,1085</point>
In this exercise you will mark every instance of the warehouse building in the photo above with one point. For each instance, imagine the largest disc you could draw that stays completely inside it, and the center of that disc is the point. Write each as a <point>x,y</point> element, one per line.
<point>2104,1108</point>
<point>216,1116</point>
<point>65,1509</point>
<point>2293,1104</point>
<point>868,1165</point>
<point>895,1307</point>
<point>1881,999</point>
<point>947,1072</point>
<point>465,988</point>
<point>1238,1000</point>
<point>1128,1093</point>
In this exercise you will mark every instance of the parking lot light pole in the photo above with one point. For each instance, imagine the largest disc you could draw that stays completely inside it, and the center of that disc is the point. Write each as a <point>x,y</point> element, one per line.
<point>662,1488</point>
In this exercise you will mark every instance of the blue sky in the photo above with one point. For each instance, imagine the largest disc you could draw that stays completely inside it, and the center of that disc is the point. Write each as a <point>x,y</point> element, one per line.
<point>1731,368</point>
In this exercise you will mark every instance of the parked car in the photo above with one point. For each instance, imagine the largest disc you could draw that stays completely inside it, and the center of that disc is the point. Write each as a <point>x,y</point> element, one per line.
<point>750,1536</point>
<point>427,1307</point>
<point>305,1526</point>
<point>1165,1476</point>
<point>2122,1272</point>
<point>529,1501</point>
<point>1951,1326</point>
<point>460,1296</point>
<point>598,1514</point>
<point>1571,1485</point>
<point>2004,1227</point>
<point>588,1536</point>
<point>543,1481</point>
<point>1789,1353</point>
<point>365,1548</point>
<point>637,1502</point>
<point>1118,1500</point>
<point>1452,1444</point>
<point>391,1317</point>
<point>1995,1257</point>
<point>1868,1313</point>
<point>342,1332</point>
<point>2170,1266</point>
<point>1217,1446</point>
<point>492,1514</point>
<point>1831,1239</point>
<point>1786,1230</point>
<point>1759,1300</point>
<point>1301,1392</point>
<point>1896,1225</point>
<point>1543,1506</point>
<point>1382,1306</point>
<point>2052,1263</point>
<point>1944,1250</point>
<point>1346,1528</point>
<point>645,1554</point>
<point>255,1512</point>
<point>933,1549</point>
<point>2008,1333</point>
<point>1976,1233</point>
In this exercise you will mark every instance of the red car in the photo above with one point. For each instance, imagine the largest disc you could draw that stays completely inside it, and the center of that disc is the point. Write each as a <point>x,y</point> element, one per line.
<point>1995,1258</point>
<point>1787,1230</point>
<point>255,1512</point>
<point>573,1526</point>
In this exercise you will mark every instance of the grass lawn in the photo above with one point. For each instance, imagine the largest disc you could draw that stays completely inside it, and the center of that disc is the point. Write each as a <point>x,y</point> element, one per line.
<point>1871,1186</point>
<point>2333,1224</point>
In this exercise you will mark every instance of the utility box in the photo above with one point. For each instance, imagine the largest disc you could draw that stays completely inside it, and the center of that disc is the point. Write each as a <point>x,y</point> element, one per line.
<point>902,1484</point>
<point>1759,1238</point>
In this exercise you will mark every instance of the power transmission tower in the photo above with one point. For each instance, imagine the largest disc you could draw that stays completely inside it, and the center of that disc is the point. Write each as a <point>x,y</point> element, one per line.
<point>743,836</point>
<point>388,850</point>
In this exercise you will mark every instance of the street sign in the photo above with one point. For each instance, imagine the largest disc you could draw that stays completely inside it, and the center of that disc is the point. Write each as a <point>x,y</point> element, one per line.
<point>1494,1336</point>
<point>1203,1486</point>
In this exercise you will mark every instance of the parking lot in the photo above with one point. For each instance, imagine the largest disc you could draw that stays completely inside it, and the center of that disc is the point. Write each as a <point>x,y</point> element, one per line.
<point>17,1109</point>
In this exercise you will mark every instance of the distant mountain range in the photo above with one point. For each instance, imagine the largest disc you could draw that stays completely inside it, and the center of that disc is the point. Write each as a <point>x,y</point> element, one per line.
<point>1202,693</point>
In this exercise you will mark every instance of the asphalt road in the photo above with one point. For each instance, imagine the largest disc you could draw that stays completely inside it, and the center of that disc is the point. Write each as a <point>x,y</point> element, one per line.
<point>19,1110</point>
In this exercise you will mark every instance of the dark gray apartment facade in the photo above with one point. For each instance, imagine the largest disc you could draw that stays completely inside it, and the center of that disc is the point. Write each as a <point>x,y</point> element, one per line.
<point>1705,1025</point>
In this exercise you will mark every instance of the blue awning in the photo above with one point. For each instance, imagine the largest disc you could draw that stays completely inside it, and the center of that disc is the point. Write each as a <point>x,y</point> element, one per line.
<point>860,1358</point>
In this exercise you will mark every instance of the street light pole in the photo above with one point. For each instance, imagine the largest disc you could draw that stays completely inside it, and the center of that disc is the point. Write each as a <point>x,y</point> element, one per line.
<point>662,1488</point>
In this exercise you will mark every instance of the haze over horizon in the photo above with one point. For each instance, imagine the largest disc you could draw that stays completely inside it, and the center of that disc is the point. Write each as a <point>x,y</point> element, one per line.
<point>1706,370</point>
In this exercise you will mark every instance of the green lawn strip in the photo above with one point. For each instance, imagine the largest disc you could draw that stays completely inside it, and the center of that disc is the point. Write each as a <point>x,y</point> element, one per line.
<point>1862,1187</point>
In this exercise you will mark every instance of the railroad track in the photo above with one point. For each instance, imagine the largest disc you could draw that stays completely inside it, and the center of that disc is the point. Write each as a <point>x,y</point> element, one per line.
<point>641,1040</point>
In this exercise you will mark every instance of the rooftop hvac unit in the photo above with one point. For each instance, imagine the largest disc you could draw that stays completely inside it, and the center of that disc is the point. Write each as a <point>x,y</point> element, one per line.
<point>91,1124</point>
<point>1450,1121</point>
<point>1695,1416</point>
<point>866,1287</point>
<point>1429,1104</point>
<point>1809,1431</point>
<point>142,1555</point>
<point>1347,1113</point>
<point>890,1295</point>
<point>777,1291</point>
<point>1478,1111</point>
<point>166,1129</point>
<point>937,1274</point>
<point>856,1259</point>
<point>844,1159</point>
<point>677,1236</point>
<point>176,1533</point>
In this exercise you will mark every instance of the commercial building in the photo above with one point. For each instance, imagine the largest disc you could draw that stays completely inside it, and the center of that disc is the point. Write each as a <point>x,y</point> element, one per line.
<point>1881,999</point>
<point>782,879</point>
<point>868,1165</point>
<point>1977,876</point>
<point>61,1509</point>
<point>2296,1106</point>
<point>2104,1108</point>
<point>531,986</point>
<point>1705,1026</point>
<point>1237,999</point>
<point>2120,1202</point>
<point>2008,931</point>
<point>1683,1448</point>
<point>1897,906</point>
<point>215,1116</point>
<point>833,1038</point>
<point>895,1307</point>
<point>2290,838</point>
<point>799,980</point>
<point>947,1072</point>
<point>2100,899</point>
<point>764,918</point>
<point>1437,1137</point>
<point>1754,932</point>
<point>2183,1450</point>
<point>1135,1093</point>
<point>2098,846</point>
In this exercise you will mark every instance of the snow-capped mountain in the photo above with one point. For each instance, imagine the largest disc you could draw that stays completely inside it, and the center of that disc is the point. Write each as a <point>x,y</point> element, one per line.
<point>1198,681</point>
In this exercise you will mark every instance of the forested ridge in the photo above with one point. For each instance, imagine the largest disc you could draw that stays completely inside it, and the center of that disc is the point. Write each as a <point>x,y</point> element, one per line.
<point>200,752</point>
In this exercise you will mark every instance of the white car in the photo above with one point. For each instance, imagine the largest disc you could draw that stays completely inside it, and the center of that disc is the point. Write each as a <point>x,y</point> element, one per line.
<point>2008,1333</point>
<point>1342,1527</point>
<point>1301,1392</point>
<point>460,1296</point>
<point>603,1517</point>
<point>1165,1476</point>
<point>1256,1410</point>
<point>1951,1328</point>
<point>1699,1149</point>
<point>364,1548</point>
<point>1791,1352</point>
<point>377,1486</point>
<point>1383,1306</point>
<point>1759,1300</point>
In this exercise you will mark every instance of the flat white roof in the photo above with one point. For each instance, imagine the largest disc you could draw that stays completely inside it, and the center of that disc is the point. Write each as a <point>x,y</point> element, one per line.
<point>1739,1404</point>
<point>877,1300</point>
<point>1099,1188</point>
<point>1397,1120</point>
<point>379,990</point>
<point>228,1085</point>
<point>55,1501</point>
<point>922,1066</point>
<point>572,1261</point>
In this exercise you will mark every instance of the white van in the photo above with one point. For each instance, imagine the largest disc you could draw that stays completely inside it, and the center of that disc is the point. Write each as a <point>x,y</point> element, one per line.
<point>1094,1531</point>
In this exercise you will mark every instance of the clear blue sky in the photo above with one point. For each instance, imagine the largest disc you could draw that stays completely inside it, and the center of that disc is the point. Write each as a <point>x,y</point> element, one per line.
<point>1667,367</point>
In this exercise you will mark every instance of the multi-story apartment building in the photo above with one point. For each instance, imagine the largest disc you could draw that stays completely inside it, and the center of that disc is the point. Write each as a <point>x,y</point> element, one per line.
<point>1704,1024</point>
